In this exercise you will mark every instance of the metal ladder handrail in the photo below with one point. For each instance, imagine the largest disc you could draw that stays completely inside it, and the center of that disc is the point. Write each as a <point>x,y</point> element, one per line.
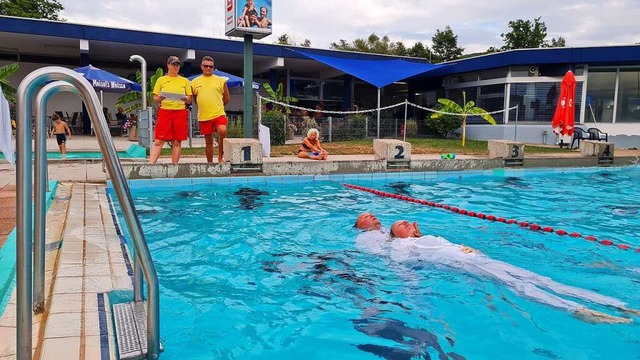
<point>40,185</point>
<point>24,217</point>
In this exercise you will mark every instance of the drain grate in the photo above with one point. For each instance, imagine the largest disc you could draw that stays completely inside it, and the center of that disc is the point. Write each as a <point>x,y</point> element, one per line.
<point>131,329</point>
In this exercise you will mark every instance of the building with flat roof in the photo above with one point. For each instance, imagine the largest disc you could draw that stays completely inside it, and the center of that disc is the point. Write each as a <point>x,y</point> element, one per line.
<point>607,92</point>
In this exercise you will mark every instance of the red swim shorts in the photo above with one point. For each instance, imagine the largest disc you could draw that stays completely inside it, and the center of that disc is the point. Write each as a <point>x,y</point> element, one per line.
<point>172,125</point>
<point>208,126</point>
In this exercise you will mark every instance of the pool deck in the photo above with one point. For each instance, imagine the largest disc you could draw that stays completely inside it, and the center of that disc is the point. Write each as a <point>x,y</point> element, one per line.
<point>85,256</point>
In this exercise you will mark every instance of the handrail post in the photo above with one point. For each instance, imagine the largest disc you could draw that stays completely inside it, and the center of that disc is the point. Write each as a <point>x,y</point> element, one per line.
<point>137,269</point>
<point>40,184</point>
<point>24,217</point>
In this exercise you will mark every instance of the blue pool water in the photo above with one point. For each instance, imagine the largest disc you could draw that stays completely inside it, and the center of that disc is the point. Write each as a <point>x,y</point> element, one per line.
<point>258,268</point>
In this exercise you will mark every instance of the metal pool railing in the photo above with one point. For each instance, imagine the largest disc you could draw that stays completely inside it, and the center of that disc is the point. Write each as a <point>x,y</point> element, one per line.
<point>24,220</point>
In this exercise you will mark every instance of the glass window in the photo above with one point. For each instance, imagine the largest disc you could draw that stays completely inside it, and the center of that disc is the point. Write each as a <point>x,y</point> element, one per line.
<point>491,98</point>
<point>628,109</point>
<point>333,90</point>
<point>493,74</point>
<point>600,93</point>
<point>537,101</point>
<point>305,89</point>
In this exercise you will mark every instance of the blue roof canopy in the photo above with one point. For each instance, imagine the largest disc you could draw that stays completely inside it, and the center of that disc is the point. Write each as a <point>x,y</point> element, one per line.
<point>376,72</point>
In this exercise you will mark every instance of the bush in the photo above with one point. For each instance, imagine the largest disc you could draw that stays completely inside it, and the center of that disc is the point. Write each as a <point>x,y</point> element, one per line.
<point>443,126</point>
<point>356,127</point>
<point>307,123</point>
<point>412,128</point>
<point>234,128</point>
<point>274,120</point>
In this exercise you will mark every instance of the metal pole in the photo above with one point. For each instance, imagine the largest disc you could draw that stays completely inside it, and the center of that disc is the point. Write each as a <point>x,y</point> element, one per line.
<point>515,130</point>
<point>190,129</point>
<point>405,120</point>
<point>25,91</point>
<point>137,269</point>
<point>378,113</point>
<point>259,101</point>
<point>40,183</point>
<point>143,71</point>
<point>330,127</point>
<point>247,113</point>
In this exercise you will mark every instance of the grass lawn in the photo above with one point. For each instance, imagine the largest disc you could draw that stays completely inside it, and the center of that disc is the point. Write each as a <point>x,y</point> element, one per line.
<point>364,147</point>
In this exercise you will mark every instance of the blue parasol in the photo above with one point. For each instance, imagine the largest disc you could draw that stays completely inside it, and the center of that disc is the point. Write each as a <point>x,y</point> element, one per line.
<point>106,81</point>
<point>233,82</point>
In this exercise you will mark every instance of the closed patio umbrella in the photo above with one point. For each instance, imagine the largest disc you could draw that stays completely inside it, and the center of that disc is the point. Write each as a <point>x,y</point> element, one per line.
<point>563,121</point>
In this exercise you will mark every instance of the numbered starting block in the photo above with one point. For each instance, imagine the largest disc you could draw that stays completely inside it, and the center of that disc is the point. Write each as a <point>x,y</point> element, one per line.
<point>397,153</point>
<point>511,152</point>
<point>602,150</point>
<point>244,154</point>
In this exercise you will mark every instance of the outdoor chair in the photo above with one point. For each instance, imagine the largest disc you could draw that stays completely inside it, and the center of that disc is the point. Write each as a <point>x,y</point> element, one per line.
<point>596,134</point>
<point>579,134</point>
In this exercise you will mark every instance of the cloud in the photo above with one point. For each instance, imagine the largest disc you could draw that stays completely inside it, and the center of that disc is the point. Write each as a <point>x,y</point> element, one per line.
<point>478,23</point>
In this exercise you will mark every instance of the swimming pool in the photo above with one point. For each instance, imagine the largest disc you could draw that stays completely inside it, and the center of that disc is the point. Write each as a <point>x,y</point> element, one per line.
<point>266,268</point>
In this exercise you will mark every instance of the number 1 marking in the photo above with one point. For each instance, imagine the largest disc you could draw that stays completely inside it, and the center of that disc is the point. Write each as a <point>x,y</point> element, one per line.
<point>247,152</point>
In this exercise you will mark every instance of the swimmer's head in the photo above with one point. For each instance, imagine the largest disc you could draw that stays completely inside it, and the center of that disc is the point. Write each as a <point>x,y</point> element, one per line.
<point>367,221</point>
<point>404,229</point>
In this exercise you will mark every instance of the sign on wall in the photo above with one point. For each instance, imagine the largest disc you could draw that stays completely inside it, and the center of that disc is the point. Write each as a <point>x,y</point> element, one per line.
<point>248,17</point>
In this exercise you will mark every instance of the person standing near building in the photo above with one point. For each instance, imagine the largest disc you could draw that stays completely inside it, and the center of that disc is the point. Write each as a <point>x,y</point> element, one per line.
<point>173,93</point>
<point>211,95</point>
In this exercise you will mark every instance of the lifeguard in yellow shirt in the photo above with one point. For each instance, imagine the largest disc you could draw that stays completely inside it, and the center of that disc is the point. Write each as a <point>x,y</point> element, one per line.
<point>173,93</point>
<point>211,95</point>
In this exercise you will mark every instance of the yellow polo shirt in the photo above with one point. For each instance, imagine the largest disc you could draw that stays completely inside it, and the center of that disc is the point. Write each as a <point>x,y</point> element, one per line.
<point>172,84</point>
<point>209,91</point>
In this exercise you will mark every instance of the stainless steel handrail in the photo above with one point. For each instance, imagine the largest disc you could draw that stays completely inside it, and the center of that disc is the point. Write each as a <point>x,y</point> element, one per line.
<point>40,180</point>
<point>137,270</point>
<point>24,218</point>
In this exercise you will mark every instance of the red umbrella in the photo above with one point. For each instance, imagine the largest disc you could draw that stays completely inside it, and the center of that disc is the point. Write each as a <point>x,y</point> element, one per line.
<point>564,118</point>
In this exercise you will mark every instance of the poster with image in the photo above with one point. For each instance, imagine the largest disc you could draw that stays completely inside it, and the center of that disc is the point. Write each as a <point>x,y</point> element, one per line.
<point>248,17</point>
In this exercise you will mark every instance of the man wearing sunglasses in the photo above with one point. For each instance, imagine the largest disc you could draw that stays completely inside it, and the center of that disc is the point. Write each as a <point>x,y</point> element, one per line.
<point>211,95</point>
<point>173,93</point>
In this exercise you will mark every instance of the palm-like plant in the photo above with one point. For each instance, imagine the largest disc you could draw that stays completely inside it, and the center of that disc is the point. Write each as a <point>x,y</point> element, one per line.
<point>469,109</point>
<point>134,98</point>
<point>279,96</point>
<point>8,90</point>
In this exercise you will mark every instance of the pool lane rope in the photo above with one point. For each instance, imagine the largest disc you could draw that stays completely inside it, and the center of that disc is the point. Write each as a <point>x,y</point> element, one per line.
<point>523,224</point>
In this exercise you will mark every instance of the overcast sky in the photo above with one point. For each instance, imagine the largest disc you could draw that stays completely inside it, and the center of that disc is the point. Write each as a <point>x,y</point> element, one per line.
<point>478,23</point>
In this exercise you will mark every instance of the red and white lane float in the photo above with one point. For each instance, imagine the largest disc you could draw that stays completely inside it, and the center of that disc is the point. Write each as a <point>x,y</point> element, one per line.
<point>521,223</point>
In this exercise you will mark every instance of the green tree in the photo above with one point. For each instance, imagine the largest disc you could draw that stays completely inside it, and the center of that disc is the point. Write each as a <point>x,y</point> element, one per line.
<point>284,39</point>
<point>560,42</point>
<point>445,46</point>
<point>468,109</point>
<point>419,50</point>
<point>8,90</point>
<point>372,44</point>
<point>34,9</point>
<point>525,34</point>
<point>134,98</point>
<point>279,96</point>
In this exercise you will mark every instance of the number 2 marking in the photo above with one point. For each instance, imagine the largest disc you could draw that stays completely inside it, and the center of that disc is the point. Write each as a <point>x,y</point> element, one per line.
<point>399,155</point>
